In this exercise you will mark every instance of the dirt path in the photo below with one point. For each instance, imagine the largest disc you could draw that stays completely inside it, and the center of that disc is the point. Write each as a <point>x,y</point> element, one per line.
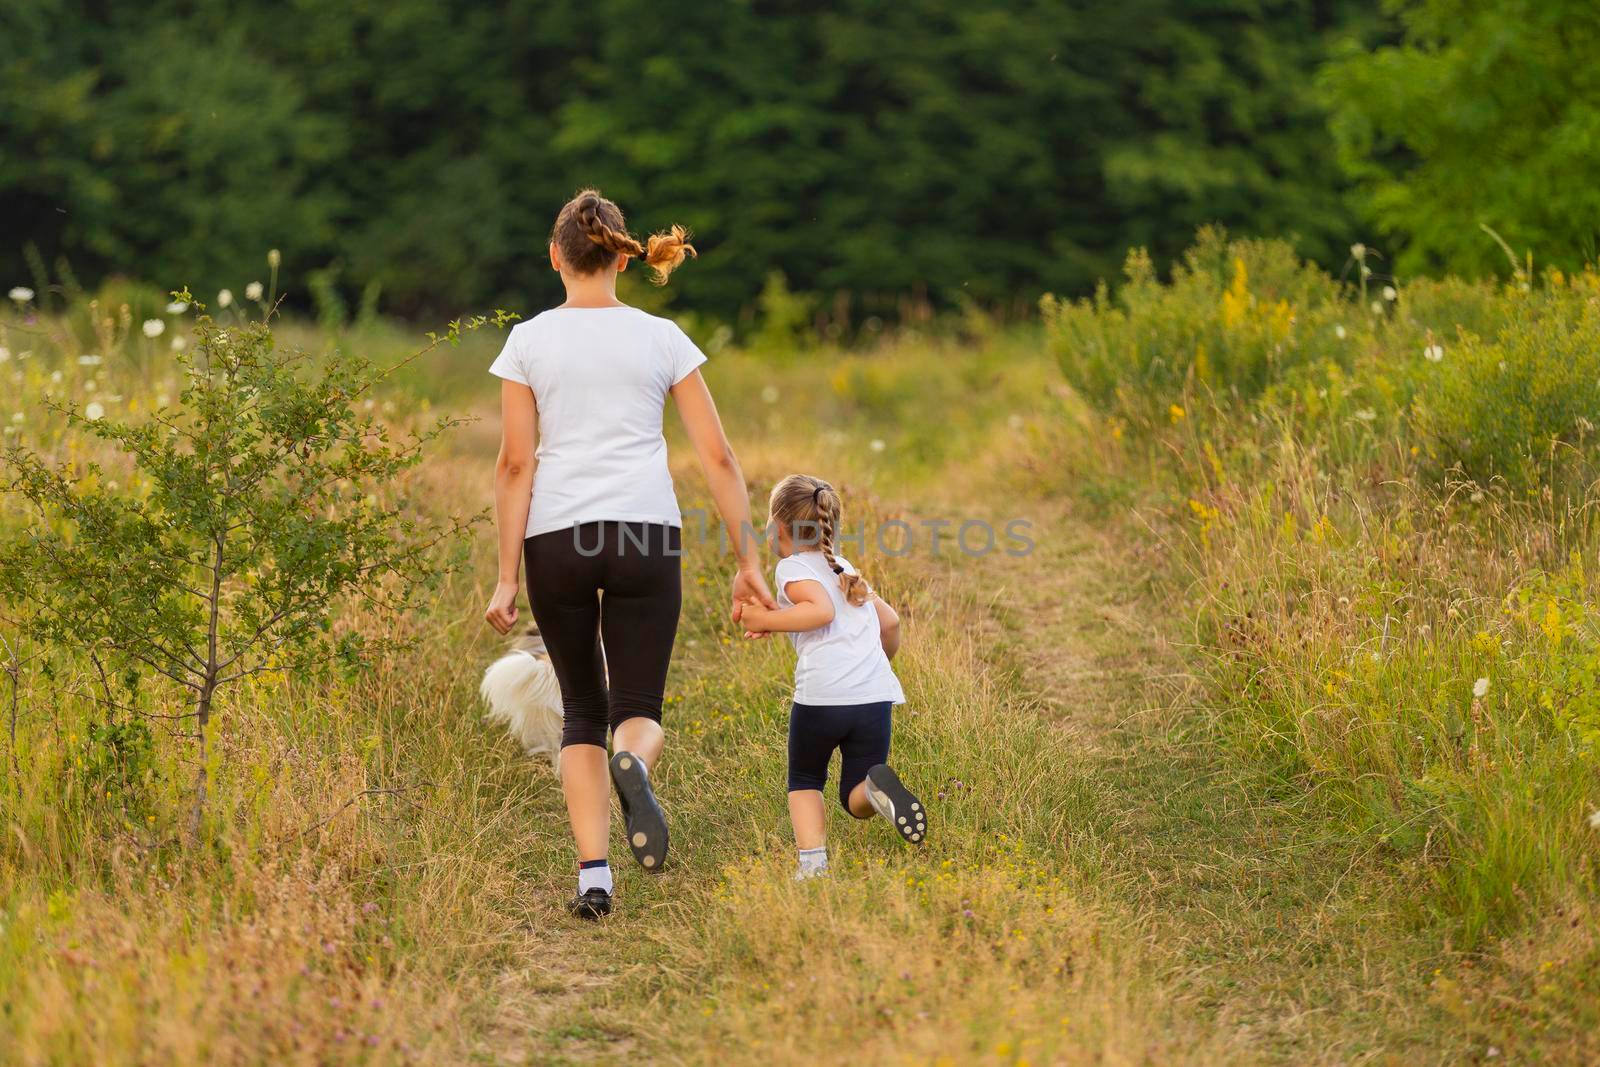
<point>1264,932</point>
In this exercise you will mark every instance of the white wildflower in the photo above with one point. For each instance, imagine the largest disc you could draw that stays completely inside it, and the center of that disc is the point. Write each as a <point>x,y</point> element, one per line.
<point>770,394</point>
<point>55,377</point>
<point>225,298</point>
<point>1366,414</point>
<point>1389,293</point>
<point>1594,820</point>
<point>1358,251</point>
<point>89,360</point>
<point>1480,688</point>
<point>5,354</point>
<point>162,400</point>
<point>89,385</point>
<point>179,342</point>
<point>274,258</point>
<point>253,291</point>
<point>1339,331</point>
<point>94,410</point>
<point>177,307</point>
<point>1433,353</point>
<point>21,294</point>
<point>17,416</point>
<point>1377,307</point>
<point>877,444</point>
<point>154,328</point>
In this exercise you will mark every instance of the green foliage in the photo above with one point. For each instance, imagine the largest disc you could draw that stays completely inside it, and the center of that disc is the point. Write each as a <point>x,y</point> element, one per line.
<point>1485,114</point>
<point>785,317</point>
<point>1488,381</point>
<point>930,149</point>
<point>1236,318</point>
<point>1556,625</point>
<point>1522,404</point>
<point>118,764</point>
<point>249,512</point>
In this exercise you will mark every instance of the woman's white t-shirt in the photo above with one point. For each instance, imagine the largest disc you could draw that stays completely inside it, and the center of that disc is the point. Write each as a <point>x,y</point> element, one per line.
<point>600,378</point>
<point>842,662</point>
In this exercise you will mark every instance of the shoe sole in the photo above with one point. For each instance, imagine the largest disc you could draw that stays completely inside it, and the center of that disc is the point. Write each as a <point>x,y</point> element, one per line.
<point>582,909</point>
<point>891,799</point>
<point>646,823</point>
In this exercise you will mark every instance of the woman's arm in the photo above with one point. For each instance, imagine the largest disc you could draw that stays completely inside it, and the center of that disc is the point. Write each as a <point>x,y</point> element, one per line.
<point>812,610</point>
<point>704,426</point>
<point>513,491</point>
<point>888,626</point>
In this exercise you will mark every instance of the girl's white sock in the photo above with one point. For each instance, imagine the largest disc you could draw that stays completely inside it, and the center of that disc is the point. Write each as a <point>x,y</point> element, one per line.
<point>813,861</point>
<point>594,874</point>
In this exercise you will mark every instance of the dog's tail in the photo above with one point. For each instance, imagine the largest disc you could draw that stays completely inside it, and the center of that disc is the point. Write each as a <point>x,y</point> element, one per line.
<point>524,697</point>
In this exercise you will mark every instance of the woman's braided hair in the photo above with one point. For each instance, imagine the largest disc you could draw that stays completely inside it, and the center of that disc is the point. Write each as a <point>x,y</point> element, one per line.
<point>591,233</point>
<point>810,509</point>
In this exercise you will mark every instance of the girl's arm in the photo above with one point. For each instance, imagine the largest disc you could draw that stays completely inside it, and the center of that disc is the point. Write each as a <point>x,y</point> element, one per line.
<point>513,491</point>
<point>812,610</point>
<point>888,626</point>
<point>704,426</point>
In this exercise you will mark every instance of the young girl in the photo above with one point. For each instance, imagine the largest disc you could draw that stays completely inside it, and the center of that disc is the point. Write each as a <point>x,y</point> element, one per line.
<point>583,495</point>
<point>844,635</point>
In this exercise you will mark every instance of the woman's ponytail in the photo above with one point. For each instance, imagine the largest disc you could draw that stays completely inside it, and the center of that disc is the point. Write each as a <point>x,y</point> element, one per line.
<point>665,252</point>
<point>590,230</point>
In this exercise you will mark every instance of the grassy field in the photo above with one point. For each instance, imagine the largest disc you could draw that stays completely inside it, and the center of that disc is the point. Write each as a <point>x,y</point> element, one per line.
<point>1196,788</point>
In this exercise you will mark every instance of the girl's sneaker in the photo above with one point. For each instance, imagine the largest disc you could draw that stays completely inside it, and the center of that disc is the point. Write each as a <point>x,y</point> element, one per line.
<point>891,799</point>
<point>593,905</point>
<point>641,814</point>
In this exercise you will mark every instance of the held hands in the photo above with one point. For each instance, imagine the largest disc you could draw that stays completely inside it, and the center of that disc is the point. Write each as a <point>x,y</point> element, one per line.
<point>751,597</point>
<point>756,619</point>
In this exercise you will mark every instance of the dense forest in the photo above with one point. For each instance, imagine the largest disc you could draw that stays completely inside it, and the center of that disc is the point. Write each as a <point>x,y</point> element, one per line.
<point>417,149</point>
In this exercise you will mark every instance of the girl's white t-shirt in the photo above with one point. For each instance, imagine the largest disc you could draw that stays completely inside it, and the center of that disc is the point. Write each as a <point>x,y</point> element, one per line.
<point>842,662</point>
<point>600,378</point>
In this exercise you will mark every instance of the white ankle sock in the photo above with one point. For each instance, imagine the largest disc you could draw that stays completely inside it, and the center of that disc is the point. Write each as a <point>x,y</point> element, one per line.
<point>596,877</point>
<point>813,861</point>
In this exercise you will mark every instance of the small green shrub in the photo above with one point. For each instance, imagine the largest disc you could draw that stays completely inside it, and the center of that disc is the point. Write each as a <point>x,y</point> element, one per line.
<point>246,515</point>
<point>1236,317</point>
<point>1524,401</point>
<point>784,324</point>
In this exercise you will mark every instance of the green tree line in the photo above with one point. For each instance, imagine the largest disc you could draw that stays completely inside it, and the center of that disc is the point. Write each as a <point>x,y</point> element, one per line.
<point>937,148</point>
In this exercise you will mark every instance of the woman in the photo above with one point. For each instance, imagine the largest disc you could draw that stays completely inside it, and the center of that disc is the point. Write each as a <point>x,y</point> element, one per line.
<point>583,389</point>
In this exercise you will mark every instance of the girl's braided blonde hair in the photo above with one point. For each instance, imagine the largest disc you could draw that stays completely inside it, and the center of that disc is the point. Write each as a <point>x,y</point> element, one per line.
<point>591,233</point>
<point>809,509</point>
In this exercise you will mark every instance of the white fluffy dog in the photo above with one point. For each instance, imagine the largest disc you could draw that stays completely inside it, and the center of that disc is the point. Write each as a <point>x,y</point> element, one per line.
<point>523,696</point>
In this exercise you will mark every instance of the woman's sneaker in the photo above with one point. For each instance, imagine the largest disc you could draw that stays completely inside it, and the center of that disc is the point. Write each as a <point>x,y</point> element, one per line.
<point>641,814</point>
<point>891,799</point>
<point>592,904</point>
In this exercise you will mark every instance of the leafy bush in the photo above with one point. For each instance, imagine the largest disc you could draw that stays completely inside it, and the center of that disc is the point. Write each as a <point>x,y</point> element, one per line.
<point>1235,318</point>
<point>1524,401</point>
<point>244,516</point>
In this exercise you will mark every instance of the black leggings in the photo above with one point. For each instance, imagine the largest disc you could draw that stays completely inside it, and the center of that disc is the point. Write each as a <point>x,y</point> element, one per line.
<point>606,595</point>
